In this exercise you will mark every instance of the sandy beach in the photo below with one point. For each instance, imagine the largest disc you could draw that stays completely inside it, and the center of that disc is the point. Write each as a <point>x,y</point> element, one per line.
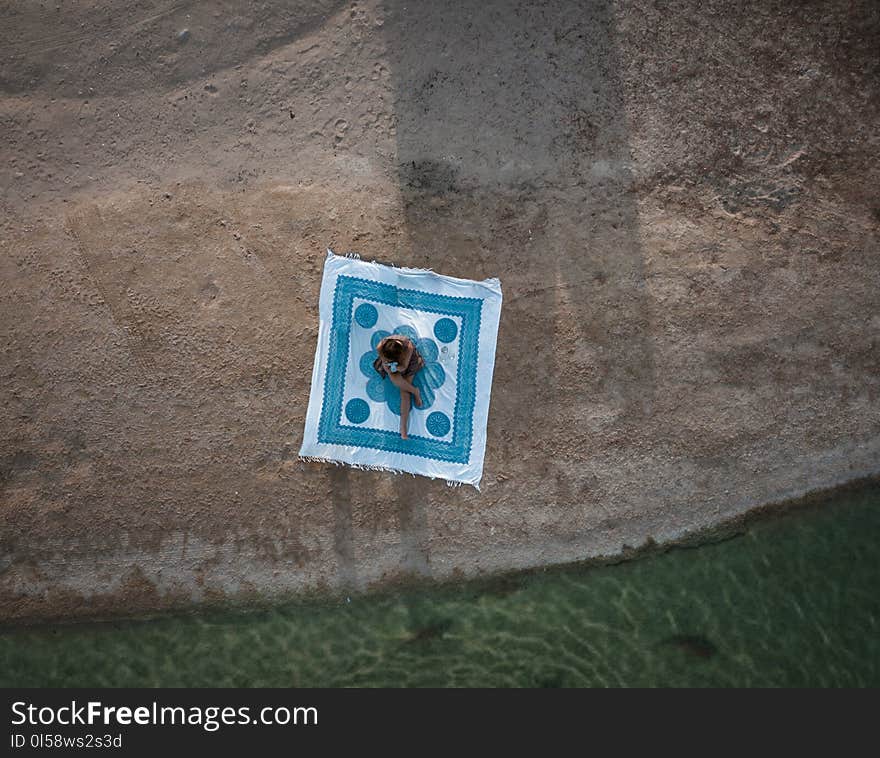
<point>679,199</point>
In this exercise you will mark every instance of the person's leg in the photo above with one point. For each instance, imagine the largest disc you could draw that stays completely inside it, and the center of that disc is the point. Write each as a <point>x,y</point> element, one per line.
<point>404,412</point>
<point>403,384</point>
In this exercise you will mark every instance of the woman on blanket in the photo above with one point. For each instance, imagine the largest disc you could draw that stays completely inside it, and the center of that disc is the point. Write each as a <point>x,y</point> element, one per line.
<point>399,360</point>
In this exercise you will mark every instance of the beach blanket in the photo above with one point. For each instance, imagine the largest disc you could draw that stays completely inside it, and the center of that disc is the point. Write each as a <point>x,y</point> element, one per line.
<point>354,411</point>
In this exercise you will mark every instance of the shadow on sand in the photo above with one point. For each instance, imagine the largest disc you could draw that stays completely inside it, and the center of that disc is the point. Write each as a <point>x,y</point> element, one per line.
<point>513,161</point>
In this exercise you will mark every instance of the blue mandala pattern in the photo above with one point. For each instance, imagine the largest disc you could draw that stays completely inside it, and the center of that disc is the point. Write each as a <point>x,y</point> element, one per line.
<point>366,315</point>
<point>430,378</point>
<point>445,330</point>
<point>438,424</point>
<point>357,411</point>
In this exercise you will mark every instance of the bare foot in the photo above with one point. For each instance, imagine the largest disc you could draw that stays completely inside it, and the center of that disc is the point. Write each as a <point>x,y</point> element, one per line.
<point>418,399</point>
<point>403,434</point>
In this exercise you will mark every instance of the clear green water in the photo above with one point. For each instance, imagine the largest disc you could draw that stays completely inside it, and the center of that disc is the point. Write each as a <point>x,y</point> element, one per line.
<point>792,602</point>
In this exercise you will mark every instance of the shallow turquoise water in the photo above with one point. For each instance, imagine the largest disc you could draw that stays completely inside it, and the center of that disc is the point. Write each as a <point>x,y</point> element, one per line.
<point>793,602</point>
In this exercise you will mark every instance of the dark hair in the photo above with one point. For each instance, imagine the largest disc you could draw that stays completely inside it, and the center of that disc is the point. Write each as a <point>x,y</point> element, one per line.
<point>392,349</point>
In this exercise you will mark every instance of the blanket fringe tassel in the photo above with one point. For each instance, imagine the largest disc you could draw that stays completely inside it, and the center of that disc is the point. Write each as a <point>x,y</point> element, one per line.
<point>365,467</point>
<point>390,265</point>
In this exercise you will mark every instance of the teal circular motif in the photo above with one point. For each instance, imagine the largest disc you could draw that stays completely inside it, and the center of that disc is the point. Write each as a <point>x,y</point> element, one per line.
<point>426,391</point>
<point>446,330</point>
<point>366,315</point>
<point>366,363</point>
<point>427,349</point>
<point>357,411</point>
<point>433,375</point>
<point>438,424</point>
<point>376,388</point>
<point>407,331</point>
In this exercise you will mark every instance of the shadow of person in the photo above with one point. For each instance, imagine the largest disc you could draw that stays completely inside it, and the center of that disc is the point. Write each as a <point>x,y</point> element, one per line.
<point>513,160</point>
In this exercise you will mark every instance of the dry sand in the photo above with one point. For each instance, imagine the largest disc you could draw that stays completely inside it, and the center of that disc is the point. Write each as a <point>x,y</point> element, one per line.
<point>679,198</point>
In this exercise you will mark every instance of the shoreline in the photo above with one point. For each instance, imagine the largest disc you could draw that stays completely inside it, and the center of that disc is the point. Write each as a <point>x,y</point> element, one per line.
<point>736,526</point>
